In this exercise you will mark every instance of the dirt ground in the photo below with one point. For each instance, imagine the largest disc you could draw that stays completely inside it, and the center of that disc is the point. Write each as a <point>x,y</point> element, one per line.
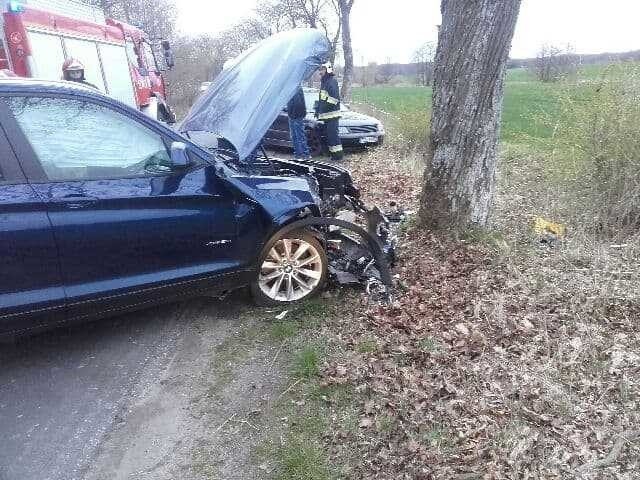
<point>197,410</point>
<point>204,415</point>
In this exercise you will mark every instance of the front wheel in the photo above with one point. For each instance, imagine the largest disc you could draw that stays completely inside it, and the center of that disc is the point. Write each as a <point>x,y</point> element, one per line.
<point>292,268</point>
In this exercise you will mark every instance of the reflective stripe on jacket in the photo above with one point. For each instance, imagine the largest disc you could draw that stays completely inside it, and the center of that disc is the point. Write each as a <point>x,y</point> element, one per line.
<point>329,101</point>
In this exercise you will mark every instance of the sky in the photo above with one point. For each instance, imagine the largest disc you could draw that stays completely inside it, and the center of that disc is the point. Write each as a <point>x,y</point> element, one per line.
<point>385,30</point>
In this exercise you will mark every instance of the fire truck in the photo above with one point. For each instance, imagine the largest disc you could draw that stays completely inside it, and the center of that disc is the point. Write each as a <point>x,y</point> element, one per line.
<point>37,36</point>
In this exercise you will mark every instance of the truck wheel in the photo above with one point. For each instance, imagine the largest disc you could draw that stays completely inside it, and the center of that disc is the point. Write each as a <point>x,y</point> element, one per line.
<point>292,268</point>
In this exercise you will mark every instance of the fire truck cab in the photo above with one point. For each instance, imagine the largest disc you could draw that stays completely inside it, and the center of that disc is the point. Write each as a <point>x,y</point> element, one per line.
<point>39,35</point>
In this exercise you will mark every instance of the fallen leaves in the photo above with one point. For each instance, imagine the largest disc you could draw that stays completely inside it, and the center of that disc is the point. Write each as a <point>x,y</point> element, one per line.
<point>486,366</point>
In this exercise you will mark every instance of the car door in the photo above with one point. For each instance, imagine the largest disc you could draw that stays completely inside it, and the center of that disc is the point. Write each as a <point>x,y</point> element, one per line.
<point>31,291</point>
<point>130,228</point>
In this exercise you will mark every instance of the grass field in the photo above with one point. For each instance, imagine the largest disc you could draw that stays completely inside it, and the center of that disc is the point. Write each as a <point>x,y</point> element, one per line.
<point>527,101</point>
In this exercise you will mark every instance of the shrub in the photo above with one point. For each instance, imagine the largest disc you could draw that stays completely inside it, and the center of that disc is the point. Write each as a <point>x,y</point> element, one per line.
<point>411,130</point>
<point>598,134</point>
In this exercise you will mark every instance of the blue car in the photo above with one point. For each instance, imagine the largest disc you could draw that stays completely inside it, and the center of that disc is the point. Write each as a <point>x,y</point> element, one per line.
<point>104,210</point>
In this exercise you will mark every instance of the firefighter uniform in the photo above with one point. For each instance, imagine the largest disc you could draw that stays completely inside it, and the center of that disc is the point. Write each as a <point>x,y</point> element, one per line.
<point>329,113</point>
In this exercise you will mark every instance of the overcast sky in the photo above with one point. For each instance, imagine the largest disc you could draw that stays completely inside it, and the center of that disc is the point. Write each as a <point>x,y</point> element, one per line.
<point>393,29</point>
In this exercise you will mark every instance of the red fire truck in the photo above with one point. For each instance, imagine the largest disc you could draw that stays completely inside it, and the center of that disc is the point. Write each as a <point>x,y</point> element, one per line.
<point>38,35</point>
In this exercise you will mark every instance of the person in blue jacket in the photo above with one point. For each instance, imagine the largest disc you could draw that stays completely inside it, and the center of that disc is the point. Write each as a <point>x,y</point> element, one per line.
<point>328,110</point>
<point>297,111</point>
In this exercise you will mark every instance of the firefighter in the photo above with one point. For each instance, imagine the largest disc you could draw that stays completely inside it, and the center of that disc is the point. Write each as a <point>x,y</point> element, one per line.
<point>73,71</point>
<point>328,110</point>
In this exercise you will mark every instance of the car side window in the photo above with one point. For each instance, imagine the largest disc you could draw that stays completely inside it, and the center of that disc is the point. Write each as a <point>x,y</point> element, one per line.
<point>80,140</point>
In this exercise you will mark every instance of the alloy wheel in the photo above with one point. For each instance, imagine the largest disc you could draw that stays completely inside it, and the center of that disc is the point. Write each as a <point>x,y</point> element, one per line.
<point>292,270</point>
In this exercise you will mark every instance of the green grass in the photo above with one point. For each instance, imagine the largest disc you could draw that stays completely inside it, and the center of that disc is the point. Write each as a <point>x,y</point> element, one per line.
<point>302,460</point>
<point>303,408</point>
<point>529,105</point>
<point>303,316</point>
<point>307,363</point>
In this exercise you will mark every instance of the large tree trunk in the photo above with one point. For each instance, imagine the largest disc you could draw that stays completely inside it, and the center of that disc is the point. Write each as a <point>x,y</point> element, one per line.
<point>473,49</point>
<point>347,49</point>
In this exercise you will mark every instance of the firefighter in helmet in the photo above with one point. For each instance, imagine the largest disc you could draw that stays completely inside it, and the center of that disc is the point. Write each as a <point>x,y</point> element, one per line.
<point>73,71</point>
<point>328,110</point>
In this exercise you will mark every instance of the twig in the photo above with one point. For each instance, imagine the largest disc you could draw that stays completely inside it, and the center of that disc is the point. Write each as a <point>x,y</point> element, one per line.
<point>227,421</point>
<point>277,354</point>
<point>241,422</point>
<point>469,476</point>
<point>287,390</point>
<point>625,437</point>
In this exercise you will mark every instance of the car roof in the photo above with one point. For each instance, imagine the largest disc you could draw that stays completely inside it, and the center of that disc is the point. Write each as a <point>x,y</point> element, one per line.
<point>46,86</point>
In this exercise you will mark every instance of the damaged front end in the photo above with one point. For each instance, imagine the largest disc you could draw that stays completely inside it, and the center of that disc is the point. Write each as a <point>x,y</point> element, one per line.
<point>360,241</point>
<point>240,106</point>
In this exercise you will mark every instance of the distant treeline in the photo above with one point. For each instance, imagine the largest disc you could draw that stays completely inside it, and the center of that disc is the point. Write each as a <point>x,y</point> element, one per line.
<point>387,72</point>
<point>587,59</point>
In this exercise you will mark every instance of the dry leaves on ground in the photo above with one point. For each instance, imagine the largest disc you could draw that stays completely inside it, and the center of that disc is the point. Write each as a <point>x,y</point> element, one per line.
<point>490,364</point>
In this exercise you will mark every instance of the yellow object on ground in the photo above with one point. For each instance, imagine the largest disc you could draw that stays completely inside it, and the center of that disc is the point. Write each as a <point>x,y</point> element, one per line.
<point>542,227</point>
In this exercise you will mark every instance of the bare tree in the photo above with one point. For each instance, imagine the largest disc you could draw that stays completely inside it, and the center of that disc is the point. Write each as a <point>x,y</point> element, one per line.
<point>155,17</point>
<point>423,58</point>
<point>385,72</point>
<point>553,63</point>
<point>281,15</point>
<point>201,60</point>
<point>343,9</point>
<point>473,49</point>
<point>369,74</point>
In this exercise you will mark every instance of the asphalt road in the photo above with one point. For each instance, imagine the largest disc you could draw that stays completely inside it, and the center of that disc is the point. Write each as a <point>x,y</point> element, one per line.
<point>62,391</point>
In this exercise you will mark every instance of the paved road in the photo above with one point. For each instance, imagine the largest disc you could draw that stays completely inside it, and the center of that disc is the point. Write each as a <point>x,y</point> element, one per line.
<point>62,391</point>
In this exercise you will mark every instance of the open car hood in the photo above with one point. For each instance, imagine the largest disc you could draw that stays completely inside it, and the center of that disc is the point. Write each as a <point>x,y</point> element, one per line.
<point>245,99</point>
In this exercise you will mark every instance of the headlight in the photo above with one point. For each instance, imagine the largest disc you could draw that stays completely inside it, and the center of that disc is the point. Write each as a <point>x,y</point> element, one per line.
<point>380,128</point>
<point>343,130</point>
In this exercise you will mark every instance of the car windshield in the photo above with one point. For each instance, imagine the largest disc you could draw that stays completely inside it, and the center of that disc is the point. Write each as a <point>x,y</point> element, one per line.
<point>311,97</point>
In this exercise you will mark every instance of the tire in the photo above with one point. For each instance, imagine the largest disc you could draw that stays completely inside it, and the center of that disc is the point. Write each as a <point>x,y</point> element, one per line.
<point>314,140</point>
<point>283,279</point>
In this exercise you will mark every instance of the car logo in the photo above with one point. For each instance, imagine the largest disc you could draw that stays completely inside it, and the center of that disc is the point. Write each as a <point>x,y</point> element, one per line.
<point>218,243</point>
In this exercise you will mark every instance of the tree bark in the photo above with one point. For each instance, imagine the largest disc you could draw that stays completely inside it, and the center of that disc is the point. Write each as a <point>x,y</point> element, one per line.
<point>473,49</point>
<point>347,49</point>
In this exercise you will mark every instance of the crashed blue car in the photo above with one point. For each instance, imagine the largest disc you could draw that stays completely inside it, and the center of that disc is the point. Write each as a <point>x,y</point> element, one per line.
<point>104,210</point>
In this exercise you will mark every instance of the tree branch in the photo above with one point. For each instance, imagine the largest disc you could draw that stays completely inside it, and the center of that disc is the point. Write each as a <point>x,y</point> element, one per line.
<point>628,436</point>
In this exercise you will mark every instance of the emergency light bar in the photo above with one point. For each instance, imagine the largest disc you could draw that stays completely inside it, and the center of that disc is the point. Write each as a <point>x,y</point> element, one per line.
<point>15,6</point>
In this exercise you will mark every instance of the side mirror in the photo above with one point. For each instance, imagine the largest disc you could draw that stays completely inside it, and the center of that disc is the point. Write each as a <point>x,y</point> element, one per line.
<point>179,157</point>
<point>168,54</point>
